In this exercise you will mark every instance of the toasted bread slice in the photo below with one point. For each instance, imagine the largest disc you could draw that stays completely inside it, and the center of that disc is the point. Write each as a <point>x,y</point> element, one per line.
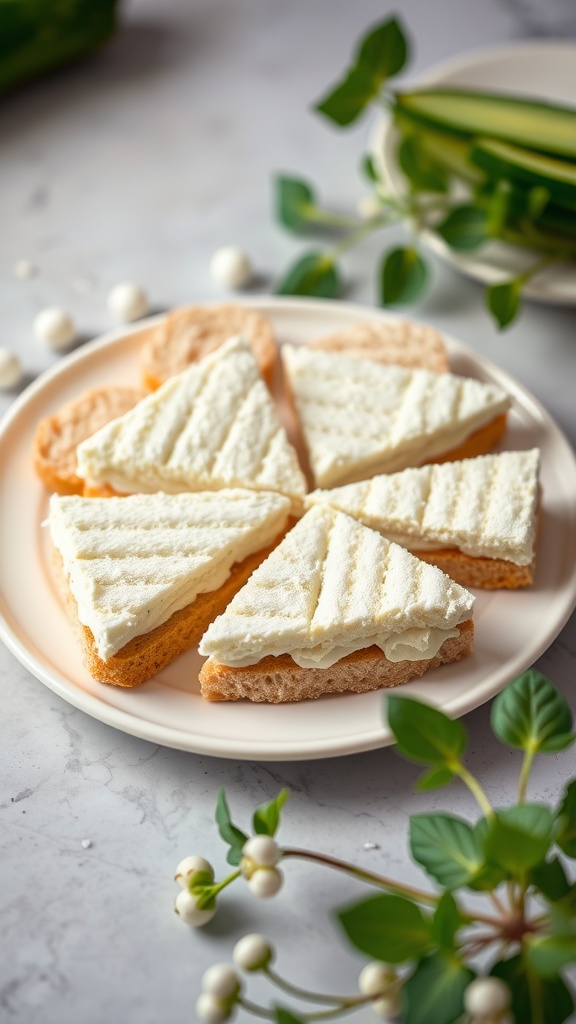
<point>331,589</point>
<point>189,333</point>
<point>399,341</point>
<point>475,519</point>
<point>57,437</point>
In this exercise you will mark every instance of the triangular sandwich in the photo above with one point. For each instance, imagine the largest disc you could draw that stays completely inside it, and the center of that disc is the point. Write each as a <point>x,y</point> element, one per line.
<point>475,519</point>
<point>360,418</point>
<point>335,607</point>
<point>144,575</point>
<point>212,426</point>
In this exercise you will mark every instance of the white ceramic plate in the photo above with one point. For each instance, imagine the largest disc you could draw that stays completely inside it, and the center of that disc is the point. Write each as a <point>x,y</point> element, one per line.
<point>537,69</point>
<point>512,628</point>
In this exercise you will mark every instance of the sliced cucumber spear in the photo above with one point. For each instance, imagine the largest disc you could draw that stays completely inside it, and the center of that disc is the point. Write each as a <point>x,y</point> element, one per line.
<point>547,127</point>
<point>503,160</point>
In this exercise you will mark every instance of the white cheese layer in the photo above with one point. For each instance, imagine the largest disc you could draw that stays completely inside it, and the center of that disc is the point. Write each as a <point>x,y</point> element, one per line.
<point>360,418</point>
<point>485,507</point>
<point>334,585</point>
<point>132,562</point>
<point>210,427</point>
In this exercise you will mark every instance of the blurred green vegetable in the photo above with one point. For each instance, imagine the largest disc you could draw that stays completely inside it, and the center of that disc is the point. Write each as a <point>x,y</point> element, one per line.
<point>39,35</point>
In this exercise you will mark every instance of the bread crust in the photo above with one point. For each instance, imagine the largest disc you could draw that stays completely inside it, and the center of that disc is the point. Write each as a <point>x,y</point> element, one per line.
<point>276,680</point>
<point>57,437</point>
<point>189,333</point>
<point>481,442</point>
<point>401,342</point>
<point>479,572</point>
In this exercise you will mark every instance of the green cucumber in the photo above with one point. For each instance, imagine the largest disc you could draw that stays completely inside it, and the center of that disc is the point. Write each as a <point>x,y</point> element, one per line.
<point>39,35</point>
<point>443,149</point>
<point>548,127</point>
<point>503,160</point>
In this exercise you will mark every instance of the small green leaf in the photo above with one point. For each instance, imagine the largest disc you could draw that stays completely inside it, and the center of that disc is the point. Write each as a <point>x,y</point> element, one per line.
<point>229,832</point>
<point>553,1005</point>
<point>538,199</point>
<point>490,875</point>
<point>313,274</point>
<point>283,1016</point>
<point>435,778</point>
<point>464,228</point>
<point>434,993</point>
<point>389,928</point>
<point>503,301</point>
<point>422,173</point>
<point>530,714</point>
<point>403,275</point>
<point>519,837</point>
<point>383,51</point>
<point>550,879</point>
<point>425,735</point>
<point>267,817</point>
<point>368,168</point>
<point>499,207</point>
<point>566,817</point>
<point>446,922</point>
<point>547,955</point>
<point>346,101</point>
<point>294,199</point>
<point>446,847</point>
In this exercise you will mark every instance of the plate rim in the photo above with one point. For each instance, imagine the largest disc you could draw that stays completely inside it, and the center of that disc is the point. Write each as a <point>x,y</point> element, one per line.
<point>289,749</point>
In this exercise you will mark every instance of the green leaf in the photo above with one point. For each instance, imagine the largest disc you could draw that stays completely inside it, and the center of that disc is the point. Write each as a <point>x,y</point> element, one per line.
<point>368,168</point>
<point>387,927</point>
<point>312,274</point>
<point>503,301</point>
<point>435,778</point>
<point>499,207</point>
<point>434,993</point>
<point>267,816</point>
<point>566,817</point>
<point>550,879</point>
<point>346,101</point>
<point>519,837</point>
<point>283,1016</point>
<point>383,51</point>
<point>403,275</point>
<point>294,199</point>
<point>446,847</point>
<point>446,921</point>
<point>464,228</point>
<point>422,173</point>
<point>537,1001</point>
<point>229,832</point>
<point>547,955</point>
<point>530,714</point>
<point>538,199</point>
<point>425,735</point>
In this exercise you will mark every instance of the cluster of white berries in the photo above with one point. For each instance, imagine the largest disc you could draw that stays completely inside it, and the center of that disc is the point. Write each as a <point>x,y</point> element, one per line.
<point>487,1001</point>
<point>375,981</point>
<point>190,872</point>
<point>221,984</point>
<point>260,855</point>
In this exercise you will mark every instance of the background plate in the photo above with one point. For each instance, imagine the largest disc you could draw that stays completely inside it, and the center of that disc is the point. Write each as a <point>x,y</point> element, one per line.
<point>512,628</point>
<point>537,69</point>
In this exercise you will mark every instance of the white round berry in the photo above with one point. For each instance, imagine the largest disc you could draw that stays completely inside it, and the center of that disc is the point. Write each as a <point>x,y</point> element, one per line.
<point>231,267</point>
<point>189,912</point>
<point>374,978</point>
<point>388,1007</point>
<point>221,981</point>
<point>190,866</point>
<point>10,369</point>
<point>55,328</point>
<point>262,850</point>
<point>126,301</point>
<point>211,1010</point>
<point>486,996</point>
<point>265,882</point>
<point>369,207</point>
<point>252,953</point>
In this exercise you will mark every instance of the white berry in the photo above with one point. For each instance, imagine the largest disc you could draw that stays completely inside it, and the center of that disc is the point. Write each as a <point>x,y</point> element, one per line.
<point>262,850</point>
<point>190,866</point>
<point>55,328</point>
<point>375,978</point>
<point>265,882</point>
<point>252,953</point>
<point>486,997</point>
<point>369,207</point>
<point>231,267</point>
<point>211,1010</point>
<point>10,369</point>
<point>189,912</point>
<point>387,1007</point>
<point>126,301</point>
<point>221,981</point>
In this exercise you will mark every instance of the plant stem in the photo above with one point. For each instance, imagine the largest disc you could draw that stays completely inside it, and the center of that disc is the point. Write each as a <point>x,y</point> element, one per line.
<point>475,788</point>
<point>225,881</point>
<point>364,876</point>
<point>357,236</point>
<point>326,217</point>
<point>524,773</point>
<point>496,902</point>
<point>301,993</point>
<point>535,268</point>
<point>258,1011</point>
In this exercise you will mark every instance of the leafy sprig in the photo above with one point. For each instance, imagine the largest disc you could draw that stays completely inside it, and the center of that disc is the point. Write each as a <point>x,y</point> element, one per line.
<point>425,945</point>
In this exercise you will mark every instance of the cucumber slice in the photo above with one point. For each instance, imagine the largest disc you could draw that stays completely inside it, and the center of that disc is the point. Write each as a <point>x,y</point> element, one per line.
<point>502,160</point>
<point>542,126</point>
<point>443,149</point>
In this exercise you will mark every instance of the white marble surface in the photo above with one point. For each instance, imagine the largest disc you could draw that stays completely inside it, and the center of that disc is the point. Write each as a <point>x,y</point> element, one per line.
<point>138,164</point>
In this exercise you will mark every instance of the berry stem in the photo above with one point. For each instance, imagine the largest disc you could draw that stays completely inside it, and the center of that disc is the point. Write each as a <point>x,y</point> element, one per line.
<point>301,993</point>
<point>364,876</point>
